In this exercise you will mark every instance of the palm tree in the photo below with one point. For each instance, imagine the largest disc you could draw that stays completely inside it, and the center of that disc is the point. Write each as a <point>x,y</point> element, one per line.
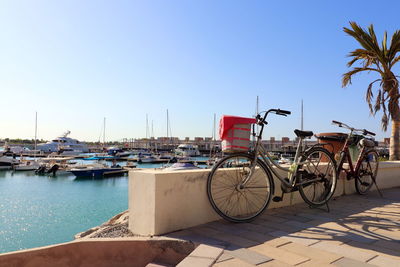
<point>380,59</point>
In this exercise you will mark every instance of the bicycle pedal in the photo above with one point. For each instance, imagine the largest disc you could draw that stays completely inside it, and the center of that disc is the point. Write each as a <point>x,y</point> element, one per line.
<point>277,199</point>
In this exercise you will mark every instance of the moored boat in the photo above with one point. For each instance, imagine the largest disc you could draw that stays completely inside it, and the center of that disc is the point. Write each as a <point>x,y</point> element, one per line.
<point>97,170</point>
<point>27,165</point>
<point>181,166</point>
<point>7,163</point>
<point>63,143</point>
<point>187,150</point>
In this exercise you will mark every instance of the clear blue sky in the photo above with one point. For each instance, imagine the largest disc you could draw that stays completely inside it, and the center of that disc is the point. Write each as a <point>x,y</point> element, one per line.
<point>75,62</point>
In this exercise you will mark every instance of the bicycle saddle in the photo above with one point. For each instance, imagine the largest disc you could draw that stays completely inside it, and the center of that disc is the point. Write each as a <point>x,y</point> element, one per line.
<point>303,134</point>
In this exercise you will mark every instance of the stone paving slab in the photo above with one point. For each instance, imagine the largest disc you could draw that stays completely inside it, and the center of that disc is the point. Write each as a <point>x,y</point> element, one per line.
<point>263,238</point>
<point>249,256</point>
<point>384,261</point>
<point>224,257</point>
<point>280,254</point>
<point>317,255</point>
<point>314,263</point>
<point>349,252</point>
<point>346,262</point>
<point>358,231</point>
<point>370,248</point>
<point>294,238</point>
<point>203,255</point>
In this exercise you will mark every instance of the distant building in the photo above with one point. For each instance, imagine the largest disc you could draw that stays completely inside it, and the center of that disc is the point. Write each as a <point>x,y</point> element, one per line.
<point>386,141</point>
<point>285,140</point>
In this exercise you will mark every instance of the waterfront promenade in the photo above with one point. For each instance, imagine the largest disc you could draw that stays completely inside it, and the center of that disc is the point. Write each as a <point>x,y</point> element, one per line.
<point>358,231</point>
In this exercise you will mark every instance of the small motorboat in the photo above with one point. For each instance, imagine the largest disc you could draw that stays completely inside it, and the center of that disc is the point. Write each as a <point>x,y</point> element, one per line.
<point>99,156</point>
<point>181,166</point>
<point>97,170</point>
<point>27,165</point>
<point>286,159</point>
<point>129,166</point>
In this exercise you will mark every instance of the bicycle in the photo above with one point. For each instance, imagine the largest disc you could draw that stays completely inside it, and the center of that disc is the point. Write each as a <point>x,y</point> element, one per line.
<point>366,166</point>
<point>241,184</point>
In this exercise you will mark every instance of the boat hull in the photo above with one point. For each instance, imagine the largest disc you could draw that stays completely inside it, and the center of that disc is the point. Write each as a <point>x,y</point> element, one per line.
<point>98,173</point>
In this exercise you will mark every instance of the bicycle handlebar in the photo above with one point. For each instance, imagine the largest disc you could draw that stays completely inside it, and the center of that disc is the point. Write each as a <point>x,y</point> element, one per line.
<point>281,112</point>
<point>338,123</point>
<point>364,131</point>
<point>368,132</point>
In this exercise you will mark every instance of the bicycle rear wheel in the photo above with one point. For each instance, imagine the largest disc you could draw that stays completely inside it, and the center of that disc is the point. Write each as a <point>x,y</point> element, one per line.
<point>230,198</point>
<point>367,172</point>
<point>317,176</point>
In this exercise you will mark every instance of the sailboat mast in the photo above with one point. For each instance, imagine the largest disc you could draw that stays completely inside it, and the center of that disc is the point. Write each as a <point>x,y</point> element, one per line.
<point>104,132</point>
<point>167,124</point>
<point>35,133</point>
<point>213,138</point>
<point>147,126</point>
<point>152,129</point>
<point>214,133</point>
<point>301,115</point>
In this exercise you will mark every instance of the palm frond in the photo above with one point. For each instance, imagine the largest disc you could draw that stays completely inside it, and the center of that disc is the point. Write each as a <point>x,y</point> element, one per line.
<point>346,78</point>
<point>394,45</point>
<point>384,121</point>
<point>369,95</point>
<point>384,44</point>
<point>362,54</point>
<point>367,40</point>
<point>371,31</point>
<point>394,61</point>
<point>378,102</point>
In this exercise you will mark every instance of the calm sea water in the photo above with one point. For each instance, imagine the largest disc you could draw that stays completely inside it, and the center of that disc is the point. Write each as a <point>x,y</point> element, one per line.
<point>40,210</point>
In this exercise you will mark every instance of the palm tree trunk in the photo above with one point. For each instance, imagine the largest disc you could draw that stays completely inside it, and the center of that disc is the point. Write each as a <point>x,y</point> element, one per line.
<point>394,151</point>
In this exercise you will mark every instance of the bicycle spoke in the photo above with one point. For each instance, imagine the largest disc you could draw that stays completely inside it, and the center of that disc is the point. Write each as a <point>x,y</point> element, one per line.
<point>230,197</point>
<point>319,177</point>
<point>366,174</point>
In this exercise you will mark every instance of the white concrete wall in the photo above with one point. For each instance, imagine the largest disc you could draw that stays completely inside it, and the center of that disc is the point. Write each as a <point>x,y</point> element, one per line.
<point>164,201</point>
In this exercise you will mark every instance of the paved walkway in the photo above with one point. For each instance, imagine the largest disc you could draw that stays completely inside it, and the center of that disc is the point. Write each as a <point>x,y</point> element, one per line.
<point>358,231</point>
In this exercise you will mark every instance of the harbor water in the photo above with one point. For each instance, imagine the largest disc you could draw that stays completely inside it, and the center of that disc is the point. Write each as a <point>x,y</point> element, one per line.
<point>43,210</point>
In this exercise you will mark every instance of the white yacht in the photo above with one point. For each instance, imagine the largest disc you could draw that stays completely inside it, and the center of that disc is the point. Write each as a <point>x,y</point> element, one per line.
<point>63,142</point>
<point>187,150</point>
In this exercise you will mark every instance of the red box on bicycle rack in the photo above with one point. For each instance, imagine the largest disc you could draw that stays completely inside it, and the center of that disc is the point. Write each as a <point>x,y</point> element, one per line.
<point>235,133</point>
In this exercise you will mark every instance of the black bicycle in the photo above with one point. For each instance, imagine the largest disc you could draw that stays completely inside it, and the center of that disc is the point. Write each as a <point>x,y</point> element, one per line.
<point>240,186</point>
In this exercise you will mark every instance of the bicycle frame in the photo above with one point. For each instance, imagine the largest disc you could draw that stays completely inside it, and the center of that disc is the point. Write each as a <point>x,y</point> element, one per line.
<point>259,150</point>
<point>345,154</point>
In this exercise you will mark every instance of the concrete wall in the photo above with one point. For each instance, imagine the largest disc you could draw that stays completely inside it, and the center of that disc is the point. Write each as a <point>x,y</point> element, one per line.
<point>101,252</point>
<point>162,201</point>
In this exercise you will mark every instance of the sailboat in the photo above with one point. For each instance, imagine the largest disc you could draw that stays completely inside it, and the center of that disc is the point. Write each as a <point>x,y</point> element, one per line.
<point>29,165</point>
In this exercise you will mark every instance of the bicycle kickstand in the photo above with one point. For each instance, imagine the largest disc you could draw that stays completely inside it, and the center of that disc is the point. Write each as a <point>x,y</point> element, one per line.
<point>320,207</point>
<point>377,188</point>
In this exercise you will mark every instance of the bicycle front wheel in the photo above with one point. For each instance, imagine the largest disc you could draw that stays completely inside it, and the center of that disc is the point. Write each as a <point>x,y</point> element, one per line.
<point>231,197</point>
<point>367,172</point>
<point>317,176</point>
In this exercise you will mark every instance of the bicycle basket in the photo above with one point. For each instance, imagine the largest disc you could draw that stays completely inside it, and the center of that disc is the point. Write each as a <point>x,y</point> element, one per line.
<point>355,139</point>
<point>367,142</point>
<point>334,141</point>
<point>235,133</point>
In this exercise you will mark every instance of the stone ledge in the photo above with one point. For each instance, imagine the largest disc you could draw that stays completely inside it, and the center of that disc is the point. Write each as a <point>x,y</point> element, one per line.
<point>165,201</point>
<point>137,251</point>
